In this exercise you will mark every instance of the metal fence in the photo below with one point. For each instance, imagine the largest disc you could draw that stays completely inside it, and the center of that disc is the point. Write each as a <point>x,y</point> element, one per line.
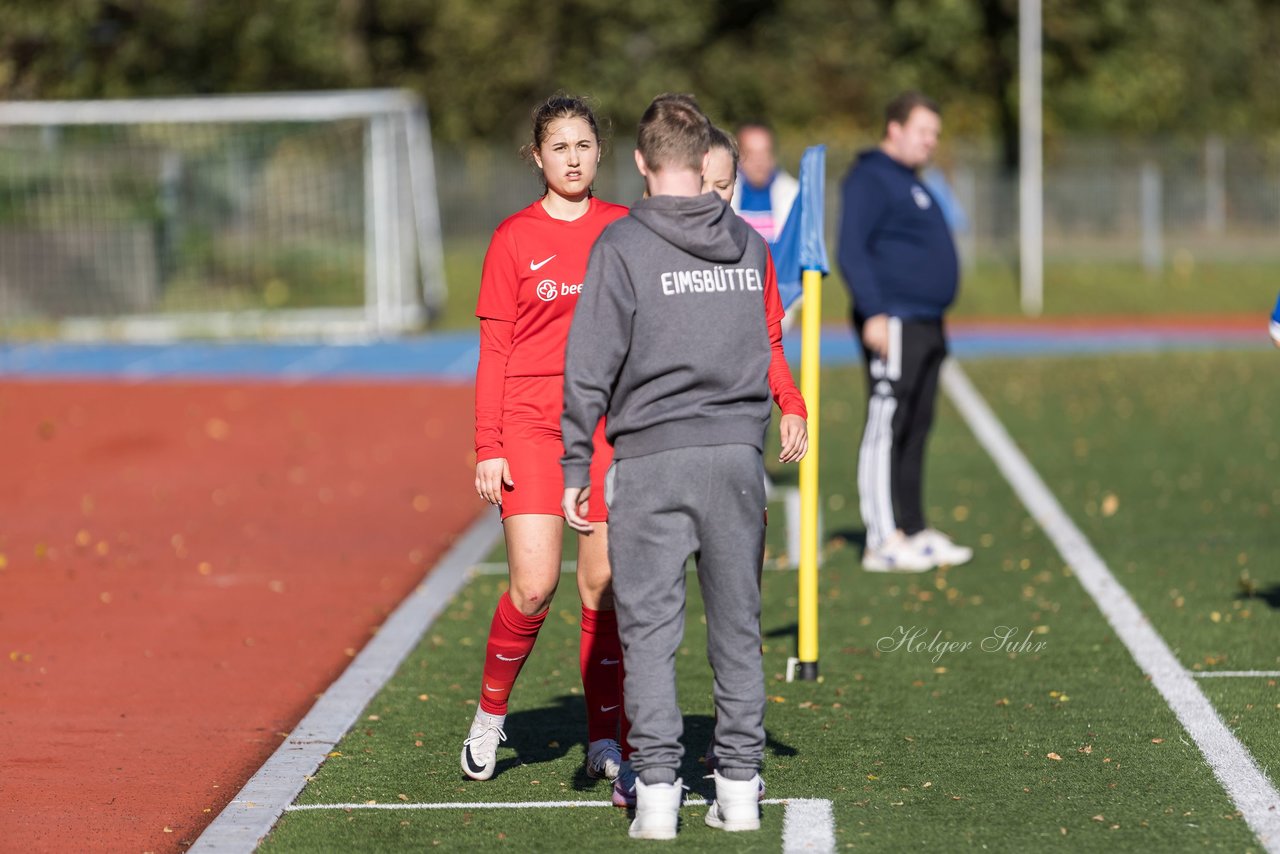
<point>1104,199</point>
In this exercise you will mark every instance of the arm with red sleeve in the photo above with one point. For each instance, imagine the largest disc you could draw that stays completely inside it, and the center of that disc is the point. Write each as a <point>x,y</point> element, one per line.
<point>496,308</point>
<point>792,427</point>
<point>491,379</point>
<point>781,385</point>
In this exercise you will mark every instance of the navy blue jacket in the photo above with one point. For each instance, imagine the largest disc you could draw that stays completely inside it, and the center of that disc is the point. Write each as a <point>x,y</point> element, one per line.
<point>896,252</point>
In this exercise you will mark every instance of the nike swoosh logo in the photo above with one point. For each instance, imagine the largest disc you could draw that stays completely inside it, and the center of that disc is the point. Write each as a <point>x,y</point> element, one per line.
<point>471,763</point>
<point>608,708</point>
<point>540,264</point>
<point>502,657</point>
<point>495,690</point>
<point>607,661</point>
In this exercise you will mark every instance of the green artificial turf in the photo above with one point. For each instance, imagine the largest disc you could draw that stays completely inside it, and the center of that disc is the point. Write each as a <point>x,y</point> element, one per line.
<point>989,288</point>
<point>1063,745</point>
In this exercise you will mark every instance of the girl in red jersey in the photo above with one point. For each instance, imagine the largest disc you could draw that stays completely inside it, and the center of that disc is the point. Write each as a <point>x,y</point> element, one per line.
<point>533,273</point>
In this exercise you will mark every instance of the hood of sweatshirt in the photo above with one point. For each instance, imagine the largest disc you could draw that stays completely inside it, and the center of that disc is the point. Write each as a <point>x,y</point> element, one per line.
<point>695,224</point>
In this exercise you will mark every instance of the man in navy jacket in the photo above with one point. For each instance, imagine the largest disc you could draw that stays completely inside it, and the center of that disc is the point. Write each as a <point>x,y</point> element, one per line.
<point>899,262</point>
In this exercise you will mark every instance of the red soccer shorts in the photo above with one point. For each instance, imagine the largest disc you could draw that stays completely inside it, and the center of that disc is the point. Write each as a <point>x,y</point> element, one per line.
<point>532,444</point>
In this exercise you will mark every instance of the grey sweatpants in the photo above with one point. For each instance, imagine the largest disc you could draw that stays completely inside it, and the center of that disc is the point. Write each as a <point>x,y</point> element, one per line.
<point>707,501</point>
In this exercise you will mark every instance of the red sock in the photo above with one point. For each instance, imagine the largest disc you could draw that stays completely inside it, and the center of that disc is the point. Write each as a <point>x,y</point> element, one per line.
<point>511,637</point>
<point>600,659</point>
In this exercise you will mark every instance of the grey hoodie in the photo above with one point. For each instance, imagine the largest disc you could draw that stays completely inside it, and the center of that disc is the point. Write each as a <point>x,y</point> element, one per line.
<point>669,334</point>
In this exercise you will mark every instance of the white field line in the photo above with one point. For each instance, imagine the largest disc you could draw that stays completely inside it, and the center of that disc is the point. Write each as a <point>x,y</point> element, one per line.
<point>808,824</point>
<point>256,808</point>
<point>1208,674</point>
<point>1245,783</point>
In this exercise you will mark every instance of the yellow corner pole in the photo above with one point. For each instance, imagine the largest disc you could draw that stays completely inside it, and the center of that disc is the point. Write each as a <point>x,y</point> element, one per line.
<point>810,360</point>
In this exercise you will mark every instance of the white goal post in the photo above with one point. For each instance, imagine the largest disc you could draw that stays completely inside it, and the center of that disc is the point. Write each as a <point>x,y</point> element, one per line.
<point>247,216</point>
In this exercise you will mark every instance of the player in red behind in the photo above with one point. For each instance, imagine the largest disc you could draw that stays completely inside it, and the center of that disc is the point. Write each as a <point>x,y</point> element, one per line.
<point>533,274</point>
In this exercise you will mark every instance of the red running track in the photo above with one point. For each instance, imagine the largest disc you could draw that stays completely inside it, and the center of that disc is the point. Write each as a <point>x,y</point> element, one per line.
<point>184,569</point>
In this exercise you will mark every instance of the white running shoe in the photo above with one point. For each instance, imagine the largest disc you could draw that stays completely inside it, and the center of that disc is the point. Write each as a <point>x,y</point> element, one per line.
<point>896,554</point>
<point>737,804</point>
<point>624,787</point>
<point>938,547</point>
<point>657,810</point>
<point>480,750</point>
<point>604,759</point>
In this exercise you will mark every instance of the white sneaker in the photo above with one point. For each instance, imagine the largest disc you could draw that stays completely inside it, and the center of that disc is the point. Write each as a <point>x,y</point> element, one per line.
<point>938,547</point>
<point>713,762</point>
<point>657,810</point>
<point>480,750</point>
<point>604,759</point>
<point>737,804</point>
<point>624,787</point>
<point>896,554</point>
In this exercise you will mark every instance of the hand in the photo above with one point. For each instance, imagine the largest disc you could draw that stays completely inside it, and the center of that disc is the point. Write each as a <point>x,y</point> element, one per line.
<point>794,431</point>
<point>875,334</point>
<point>491,475</point>
<point>574,505</point>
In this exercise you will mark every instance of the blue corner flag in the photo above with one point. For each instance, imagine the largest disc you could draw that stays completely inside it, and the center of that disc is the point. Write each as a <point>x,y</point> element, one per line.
<point>802,245</point>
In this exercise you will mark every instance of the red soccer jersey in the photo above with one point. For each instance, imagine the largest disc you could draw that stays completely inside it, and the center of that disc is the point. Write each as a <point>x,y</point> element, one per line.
<point>533,273</point>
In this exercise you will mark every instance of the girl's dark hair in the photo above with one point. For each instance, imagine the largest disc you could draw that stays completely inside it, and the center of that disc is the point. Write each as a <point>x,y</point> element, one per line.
<point>721,138</point>
<point>559,106</point>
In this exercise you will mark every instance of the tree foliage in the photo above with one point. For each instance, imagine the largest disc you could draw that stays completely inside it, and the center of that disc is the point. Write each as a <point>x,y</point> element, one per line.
<point>817,69</point>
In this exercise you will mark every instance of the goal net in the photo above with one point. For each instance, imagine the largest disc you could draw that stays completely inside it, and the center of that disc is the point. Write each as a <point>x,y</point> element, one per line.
<point>272,215</point>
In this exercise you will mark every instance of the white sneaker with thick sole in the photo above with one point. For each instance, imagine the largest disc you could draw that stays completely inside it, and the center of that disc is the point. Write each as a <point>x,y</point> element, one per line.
<point>604,759</point>
<point>657,810</point>
<point>737,804</point>
<point>712,762</point>
<point>939,548</point>
<point>896,554</point>
<point>480,750</point>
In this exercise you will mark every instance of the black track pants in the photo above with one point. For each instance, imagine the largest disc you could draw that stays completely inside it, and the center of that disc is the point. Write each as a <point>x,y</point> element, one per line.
<point>900,392</point>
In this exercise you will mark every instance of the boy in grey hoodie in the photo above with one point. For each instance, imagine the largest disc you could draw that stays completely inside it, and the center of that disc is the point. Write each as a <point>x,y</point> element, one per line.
<point>669,340</point>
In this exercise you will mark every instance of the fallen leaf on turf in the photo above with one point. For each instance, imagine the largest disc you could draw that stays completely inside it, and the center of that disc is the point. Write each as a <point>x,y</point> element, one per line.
<point>1088,748</point>
<point>403,797</point>
<point>335,753</point>
<point>1110,504</point>
<point>1003,701</point>
<point>1157,741</point>
<point>423,697</point>
<point>1055,757</point>
<point>1098,818</point>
